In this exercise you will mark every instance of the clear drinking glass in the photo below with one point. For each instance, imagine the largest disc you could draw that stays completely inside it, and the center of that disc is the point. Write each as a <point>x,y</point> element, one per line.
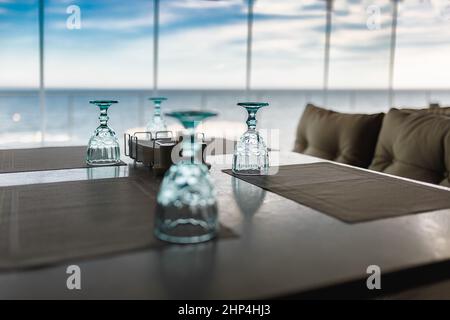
<point>186,202</point>
<point>250,155</point>
<point>103,147</point>
<point>157,122</point>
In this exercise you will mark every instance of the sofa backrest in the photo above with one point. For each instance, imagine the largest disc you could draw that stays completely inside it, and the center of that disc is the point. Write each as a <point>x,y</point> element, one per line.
<point>341,137</point>
<point>433,110</point>
<point>414,145</point>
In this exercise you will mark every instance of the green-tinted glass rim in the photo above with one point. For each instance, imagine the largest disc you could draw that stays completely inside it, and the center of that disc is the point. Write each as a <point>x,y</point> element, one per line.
<point>157,98</point>
<point>103,101</point>
<point>253,104</point>
<point>179,114</point>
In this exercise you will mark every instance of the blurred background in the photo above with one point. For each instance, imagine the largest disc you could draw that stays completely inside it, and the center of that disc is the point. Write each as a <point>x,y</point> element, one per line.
<point>346,55</point>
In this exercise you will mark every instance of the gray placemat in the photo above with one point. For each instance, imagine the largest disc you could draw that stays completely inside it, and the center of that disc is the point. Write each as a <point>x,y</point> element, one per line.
<point>50,223</point>
<point>39,159</point>
<point>350,194</point>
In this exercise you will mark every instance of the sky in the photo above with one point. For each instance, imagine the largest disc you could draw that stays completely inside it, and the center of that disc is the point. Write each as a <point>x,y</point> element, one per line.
<point>203,44</point>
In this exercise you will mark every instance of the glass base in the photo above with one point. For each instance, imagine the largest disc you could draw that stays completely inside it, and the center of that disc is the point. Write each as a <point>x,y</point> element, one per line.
<point>251,172</point>
<point>157,125</point>
<point>251,156</point>
<point>103,156</point>
<point>187,208</point>
<point>185,231</point>
<point>103,148</point>
<point>102,162</point>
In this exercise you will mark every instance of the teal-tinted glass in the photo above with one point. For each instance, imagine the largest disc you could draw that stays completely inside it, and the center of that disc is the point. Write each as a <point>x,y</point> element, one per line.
<point>103,147</point>
<point>251,156</point>
<point>187,206</point>
<point>157,122</point>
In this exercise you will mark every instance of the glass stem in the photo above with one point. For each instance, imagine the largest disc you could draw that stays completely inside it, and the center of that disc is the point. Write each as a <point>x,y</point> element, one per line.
<point>103,116</point>
<point>190,145</point>
<point>251,120</point>
<point>157,111</point>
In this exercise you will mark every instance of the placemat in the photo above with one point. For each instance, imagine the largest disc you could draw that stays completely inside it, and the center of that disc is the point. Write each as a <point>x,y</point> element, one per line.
<point>39,159</point>
<point>350,194</point>
<point>50,223</point>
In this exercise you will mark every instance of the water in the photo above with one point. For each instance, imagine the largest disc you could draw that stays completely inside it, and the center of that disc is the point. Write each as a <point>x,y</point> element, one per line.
<point>71,120</point>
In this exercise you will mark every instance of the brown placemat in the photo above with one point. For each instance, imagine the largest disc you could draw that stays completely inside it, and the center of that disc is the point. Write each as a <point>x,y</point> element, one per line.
<point>49,223</point>
<point>350,194</point>
<point>39,159</point>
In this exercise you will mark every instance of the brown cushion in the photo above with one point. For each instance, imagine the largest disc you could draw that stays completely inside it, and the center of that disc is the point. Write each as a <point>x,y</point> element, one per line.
<point>341,137</point>
<point>414,145</point>
<point>436,110</point>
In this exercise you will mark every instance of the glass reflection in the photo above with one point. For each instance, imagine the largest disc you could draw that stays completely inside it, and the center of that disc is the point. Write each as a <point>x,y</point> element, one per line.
<point>103,172</point>
<point>193,266</point>
<point>248,196</point>
<point>187,205</point>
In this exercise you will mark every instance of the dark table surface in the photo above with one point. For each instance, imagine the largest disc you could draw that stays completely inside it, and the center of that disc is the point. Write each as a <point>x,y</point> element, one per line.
<point>283,248</point>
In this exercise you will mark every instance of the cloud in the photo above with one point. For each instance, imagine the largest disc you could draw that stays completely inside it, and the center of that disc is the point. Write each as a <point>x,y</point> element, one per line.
<point>203,44</point>
<point>204,4</point>
<point>93,21</point>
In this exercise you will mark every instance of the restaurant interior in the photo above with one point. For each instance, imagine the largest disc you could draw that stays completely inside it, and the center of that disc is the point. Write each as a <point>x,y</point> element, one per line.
<point>224,149</point>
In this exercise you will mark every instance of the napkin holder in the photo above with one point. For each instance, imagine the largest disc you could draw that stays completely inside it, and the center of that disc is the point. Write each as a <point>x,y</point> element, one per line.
<point>154,152</point>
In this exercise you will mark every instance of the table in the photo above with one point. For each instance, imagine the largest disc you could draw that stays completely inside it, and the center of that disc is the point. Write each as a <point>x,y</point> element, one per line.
<point>284,249</point>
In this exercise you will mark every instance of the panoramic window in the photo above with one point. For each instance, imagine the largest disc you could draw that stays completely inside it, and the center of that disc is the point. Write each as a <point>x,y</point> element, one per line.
<point>212,54</point>
<point>359,55</point>
<point>421,64</point>
<point>19,72</point>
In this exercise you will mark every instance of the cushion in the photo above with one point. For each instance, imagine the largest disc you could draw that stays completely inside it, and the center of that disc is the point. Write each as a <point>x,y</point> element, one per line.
<point>434,110</point>
<point>414,145</point>
<point>342,137</point>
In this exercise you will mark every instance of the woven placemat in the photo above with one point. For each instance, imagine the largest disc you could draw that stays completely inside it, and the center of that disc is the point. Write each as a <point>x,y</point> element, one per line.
<point>40,159</point>
<point>350,194</point>
<point>45,224</point>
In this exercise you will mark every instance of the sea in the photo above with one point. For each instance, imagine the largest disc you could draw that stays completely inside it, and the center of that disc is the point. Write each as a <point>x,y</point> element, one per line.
<point>67,118</point>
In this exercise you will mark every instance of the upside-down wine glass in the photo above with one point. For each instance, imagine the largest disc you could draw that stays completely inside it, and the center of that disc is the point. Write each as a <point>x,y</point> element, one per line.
<point>157,122</point>
<point>186,202</point>
<point>103,147</point>
<point>251,156</point>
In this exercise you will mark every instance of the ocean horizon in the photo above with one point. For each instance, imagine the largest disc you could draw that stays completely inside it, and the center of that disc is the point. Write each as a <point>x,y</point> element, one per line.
<point>68,118</point>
